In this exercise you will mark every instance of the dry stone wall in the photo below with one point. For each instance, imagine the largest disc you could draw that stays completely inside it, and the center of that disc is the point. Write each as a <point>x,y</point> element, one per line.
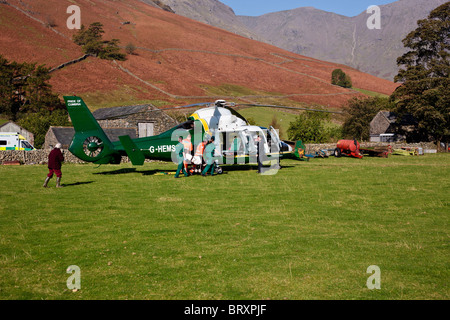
<point>313,148</point>
<point>41,156</point>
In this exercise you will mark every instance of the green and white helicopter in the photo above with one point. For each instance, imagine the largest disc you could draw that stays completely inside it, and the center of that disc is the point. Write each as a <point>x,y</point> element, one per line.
<point>235,138</point>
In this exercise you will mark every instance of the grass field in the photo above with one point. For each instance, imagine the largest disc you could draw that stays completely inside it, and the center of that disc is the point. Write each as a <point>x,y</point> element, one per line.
<point>371,93</point>
<point>308,232</point>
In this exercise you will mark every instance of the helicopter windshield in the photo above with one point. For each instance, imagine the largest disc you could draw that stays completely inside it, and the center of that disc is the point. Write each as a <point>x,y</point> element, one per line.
<point>188,125</point>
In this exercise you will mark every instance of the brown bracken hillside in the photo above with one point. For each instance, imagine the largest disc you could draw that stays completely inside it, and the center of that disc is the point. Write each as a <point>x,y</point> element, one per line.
<point>177,60</point>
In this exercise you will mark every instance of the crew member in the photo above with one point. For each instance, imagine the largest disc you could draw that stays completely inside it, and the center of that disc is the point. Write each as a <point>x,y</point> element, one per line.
<point>198,156</point>
<point>187,144</point>
<point>179,151</point>
<point>259,150</point>
<point>209,157</point>
<point>55,158</point>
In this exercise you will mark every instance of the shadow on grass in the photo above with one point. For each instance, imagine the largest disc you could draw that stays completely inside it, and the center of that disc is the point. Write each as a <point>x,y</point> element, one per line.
<point>134,170</point>
<point>120,171</point>
<point>246,167</point>
<point>75,183</point>
<point>226,169</point>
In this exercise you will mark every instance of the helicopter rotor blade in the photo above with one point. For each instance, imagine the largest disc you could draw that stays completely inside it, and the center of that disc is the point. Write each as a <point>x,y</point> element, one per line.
<point>184,107</point>
<point>286,107</point>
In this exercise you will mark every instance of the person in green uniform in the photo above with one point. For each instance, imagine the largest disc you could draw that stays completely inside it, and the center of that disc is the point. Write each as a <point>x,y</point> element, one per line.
<point>209,157</point>
<point>179,150</point>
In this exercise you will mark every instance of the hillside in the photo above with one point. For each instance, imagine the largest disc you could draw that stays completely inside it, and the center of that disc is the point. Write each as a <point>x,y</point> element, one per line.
<point>177,61</point>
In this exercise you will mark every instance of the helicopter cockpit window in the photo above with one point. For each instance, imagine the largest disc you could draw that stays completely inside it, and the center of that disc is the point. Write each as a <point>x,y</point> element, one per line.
<point>251,143</point>
<point>188,125</point>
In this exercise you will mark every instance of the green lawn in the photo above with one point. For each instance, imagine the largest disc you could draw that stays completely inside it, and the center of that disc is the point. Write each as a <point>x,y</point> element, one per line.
<point>308,232</point>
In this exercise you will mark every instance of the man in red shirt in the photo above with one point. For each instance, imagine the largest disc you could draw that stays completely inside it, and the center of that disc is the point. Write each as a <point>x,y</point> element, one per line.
<point>55,158</point>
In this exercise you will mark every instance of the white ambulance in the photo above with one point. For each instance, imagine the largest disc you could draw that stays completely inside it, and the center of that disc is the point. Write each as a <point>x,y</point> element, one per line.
<point>14,141</point>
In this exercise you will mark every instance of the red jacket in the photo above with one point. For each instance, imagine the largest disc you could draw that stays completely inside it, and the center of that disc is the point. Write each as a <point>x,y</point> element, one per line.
<point>55,158</point>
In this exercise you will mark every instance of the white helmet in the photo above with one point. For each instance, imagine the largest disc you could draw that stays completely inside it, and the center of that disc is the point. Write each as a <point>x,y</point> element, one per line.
<point>58,145</point>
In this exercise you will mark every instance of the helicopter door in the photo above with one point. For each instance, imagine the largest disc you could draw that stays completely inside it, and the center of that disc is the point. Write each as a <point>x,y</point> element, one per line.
<point>275,138</point>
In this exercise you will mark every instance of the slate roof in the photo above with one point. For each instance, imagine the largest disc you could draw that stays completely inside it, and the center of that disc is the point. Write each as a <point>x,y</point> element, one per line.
<point>406,120</point>
<point>118,112</point>
<point>390,116</point>
<point>64,135</point>
<point>12,124</point>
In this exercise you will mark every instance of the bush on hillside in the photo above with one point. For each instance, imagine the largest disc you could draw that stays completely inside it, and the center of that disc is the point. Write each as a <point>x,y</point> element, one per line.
<point>339,78</point>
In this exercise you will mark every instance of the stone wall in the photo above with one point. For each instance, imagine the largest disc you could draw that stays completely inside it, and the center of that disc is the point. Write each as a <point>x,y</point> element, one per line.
<point>313,148</point>
<point>41,156</point>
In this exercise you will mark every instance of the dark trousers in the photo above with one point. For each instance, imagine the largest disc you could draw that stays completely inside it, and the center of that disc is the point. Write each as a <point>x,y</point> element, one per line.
<point>180,169</point>
<point>208,166</point>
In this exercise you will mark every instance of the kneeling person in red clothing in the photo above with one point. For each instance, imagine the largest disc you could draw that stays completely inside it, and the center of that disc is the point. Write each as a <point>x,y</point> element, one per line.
<point>55,158</point>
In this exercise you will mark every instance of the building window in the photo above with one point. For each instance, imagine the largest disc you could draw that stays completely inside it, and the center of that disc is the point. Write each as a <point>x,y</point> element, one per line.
<point>387,137</point>
<point>145,129</point>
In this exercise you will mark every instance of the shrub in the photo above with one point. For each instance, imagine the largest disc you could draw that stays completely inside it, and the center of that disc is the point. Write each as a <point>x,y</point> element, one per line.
<point>339,78</point>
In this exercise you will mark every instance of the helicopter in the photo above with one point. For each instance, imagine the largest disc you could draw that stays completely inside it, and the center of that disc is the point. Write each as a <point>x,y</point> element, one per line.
<point>234,138</point>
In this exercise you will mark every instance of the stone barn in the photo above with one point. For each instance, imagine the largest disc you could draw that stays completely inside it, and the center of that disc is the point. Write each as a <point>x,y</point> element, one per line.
<point>385,126</point>
<point>12,127</point>
<point>146,120</point>
<point>64,135</point>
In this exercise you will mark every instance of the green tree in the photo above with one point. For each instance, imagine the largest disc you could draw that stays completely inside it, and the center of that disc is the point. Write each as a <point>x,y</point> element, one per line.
<point>424,74</point>
<point>309,127</point>
<point>27,98</point>
<point>359,113</point>
<point>112,51</point>
<point>8,104</point>
<point>91,41</point>
<point>339,78</point>
<point>24,88</point>
<point>39,122</point>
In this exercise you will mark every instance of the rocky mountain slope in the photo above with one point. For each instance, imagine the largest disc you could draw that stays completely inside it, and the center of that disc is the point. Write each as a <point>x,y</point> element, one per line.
<point>320,34</point>
<point>336,38</point>
<point>212,12</point>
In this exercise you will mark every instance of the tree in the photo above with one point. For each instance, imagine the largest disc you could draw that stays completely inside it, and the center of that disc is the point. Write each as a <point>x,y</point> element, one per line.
<point>27,97</point>
<point>339,78</point>
<point>40,122</point>
<point>309,127</point>
<point>424,74</point>
<point>112,51</point>
<point>24,88</point>
<point>276,125</point>
<point>130,48</point>
<point>359,113</point>
<point>91,41</point>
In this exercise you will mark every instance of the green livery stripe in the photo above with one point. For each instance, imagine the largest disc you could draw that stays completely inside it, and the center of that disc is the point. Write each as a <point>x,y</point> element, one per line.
<point>9,148</point>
